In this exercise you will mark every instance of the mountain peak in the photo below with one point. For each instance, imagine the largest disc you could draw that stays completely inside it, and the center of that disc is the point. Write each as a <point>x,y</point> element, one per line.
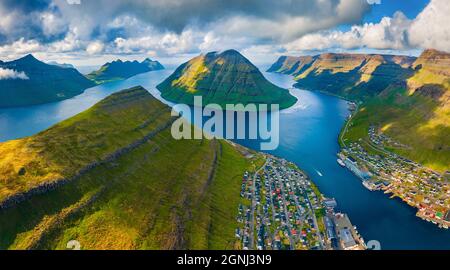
<point>433,54</point>
<point>231,52</point>
<point>119,70</point>
<point>29,58</point>
<point>223,78</point>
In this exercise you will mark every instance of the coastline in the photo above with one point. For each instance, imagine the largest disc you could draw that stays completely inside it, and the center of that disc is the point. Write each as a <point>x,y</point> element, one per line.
<point>421,213</point>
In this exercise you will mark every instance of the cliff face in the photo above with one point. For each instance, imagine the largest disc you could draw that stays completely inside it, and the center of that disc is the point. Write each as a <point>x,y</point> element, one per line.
<point>31,82</point>
<point>432,72</point>
<point>222,78</point>
<point>343,74</point>
<point>291,65</point>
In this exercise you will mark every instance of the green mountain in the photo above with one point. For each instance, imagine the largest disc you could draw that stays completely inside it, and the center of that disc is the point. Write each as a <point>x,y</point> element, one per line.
<point>354,76</point>
<point>408,99</point>
<point>119,70</point>
<point>28,81</point>
<point>107,178</point>
<point>222,78</point>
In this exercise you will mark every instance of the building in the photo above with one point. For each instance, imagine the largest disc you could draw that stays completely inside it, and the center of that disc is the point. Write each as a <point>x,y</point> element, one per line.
<point>347,240</point>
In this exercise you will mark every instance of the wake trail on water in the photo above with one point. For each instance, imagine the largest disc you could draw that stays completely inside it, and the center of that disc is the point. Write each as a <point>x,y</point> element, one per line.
<point>318,172</point>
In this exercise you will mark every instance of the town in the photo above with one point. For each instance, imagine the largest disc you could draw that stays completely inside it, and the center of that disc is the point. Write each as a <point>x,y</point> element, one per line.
<point>283,210</point>
<point>379,169</point>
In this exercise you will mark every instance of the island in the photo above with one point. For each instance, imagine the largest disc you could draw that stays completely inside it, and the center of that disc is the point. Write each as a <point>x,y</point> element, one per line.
<point>120,70</point>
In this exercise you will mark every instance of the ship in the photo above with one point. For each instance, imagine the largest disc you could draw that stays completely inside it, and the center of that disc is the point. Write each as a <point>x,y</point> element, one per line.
<point>367,185</point>
<point>341,162</point>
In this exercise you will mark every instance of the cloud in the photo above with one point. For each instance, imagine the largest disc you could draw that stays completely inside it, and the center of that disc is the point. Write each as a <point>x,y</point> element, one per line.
<point>431,27</point>
<point>95,47</point>
<point>52,24</point>
<point>427,30</point>
<point>20,47</point>
<point>389,33</point>
<point>177,15</point>
<point>285,19</point>
<point>20,18</point>
<point>170,28</point>
<point>74,2</point>
<point>11,74</point>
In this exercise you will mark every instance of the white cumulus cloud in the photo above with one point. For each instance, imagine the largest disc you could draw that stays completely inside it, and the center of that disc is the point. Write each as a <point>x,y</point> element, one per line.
<point>95,47</point>
<point>11,74</point>
<point>430,29</point>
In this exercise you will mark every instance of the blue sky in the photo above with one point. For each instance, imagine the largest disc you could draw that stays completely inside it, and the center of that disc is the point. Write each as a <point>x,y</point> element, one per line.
<point>86,32</point>
<point>411,8</point>
<point>387,8</point>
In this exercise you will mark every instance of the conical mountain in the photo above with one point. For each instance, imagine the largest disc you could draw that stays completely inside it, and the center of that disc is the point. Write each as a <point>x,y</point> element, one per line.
<point>223,78</point>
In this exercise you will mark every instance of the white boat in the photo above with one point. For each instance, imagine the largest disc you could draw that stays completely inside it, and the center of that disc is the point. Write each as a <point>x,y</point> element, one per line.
<point>341,162</point>
<point>368,186</point>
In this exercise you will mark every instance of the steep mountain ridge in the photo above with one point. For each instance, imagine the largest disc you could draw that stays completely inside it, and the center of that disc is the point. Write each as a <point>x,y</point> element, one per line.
<point>105,178</point>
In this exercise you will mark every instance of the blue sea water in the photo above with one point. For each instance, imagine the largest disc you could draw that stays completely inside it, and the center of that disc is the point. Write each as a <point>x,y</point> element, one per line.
<point>308,137</point>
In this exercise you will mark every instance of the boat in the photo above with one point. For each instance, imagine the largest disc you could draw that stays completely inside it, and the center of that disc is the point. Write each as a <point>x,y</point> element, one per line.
<point>368,185</point>
<point>341,162</point>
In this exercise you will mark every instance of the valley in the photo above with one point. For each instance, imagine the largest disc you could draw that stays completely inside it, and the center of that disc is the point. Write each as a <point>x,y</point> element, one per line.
<point>397,138</point>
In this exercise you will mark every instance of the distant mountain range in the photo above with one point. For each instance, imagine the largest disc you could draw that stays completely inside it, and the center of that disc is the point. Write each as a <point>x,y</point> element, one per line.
<point>106,177</point>
<point>222,78</point>
<point>28,81</point>
<point>408,98</point>
<point>120,70</point>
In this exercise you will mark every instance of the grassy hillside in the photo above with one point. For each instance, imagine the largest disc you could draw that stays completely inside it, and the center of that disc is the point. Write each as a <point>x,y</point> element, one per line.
<point>415,112</point>
<point>354,76</point>
<point>124,182</point>
<point>40,83</point>
<point>222,78</point>
<point>414,121</point>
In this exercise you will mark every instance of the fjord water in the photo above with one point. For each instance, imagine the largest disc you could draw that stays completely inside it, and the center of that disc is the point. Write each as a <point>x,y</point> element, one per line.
<point>308,137</point>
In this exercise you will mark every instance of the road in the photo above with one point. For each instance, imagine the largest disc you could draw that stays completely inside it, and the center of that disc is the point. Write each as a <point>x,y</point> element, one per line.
<point>252,222</point>
<point>341,137</point>
<point>286,212</point>
<point>316,225</point>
